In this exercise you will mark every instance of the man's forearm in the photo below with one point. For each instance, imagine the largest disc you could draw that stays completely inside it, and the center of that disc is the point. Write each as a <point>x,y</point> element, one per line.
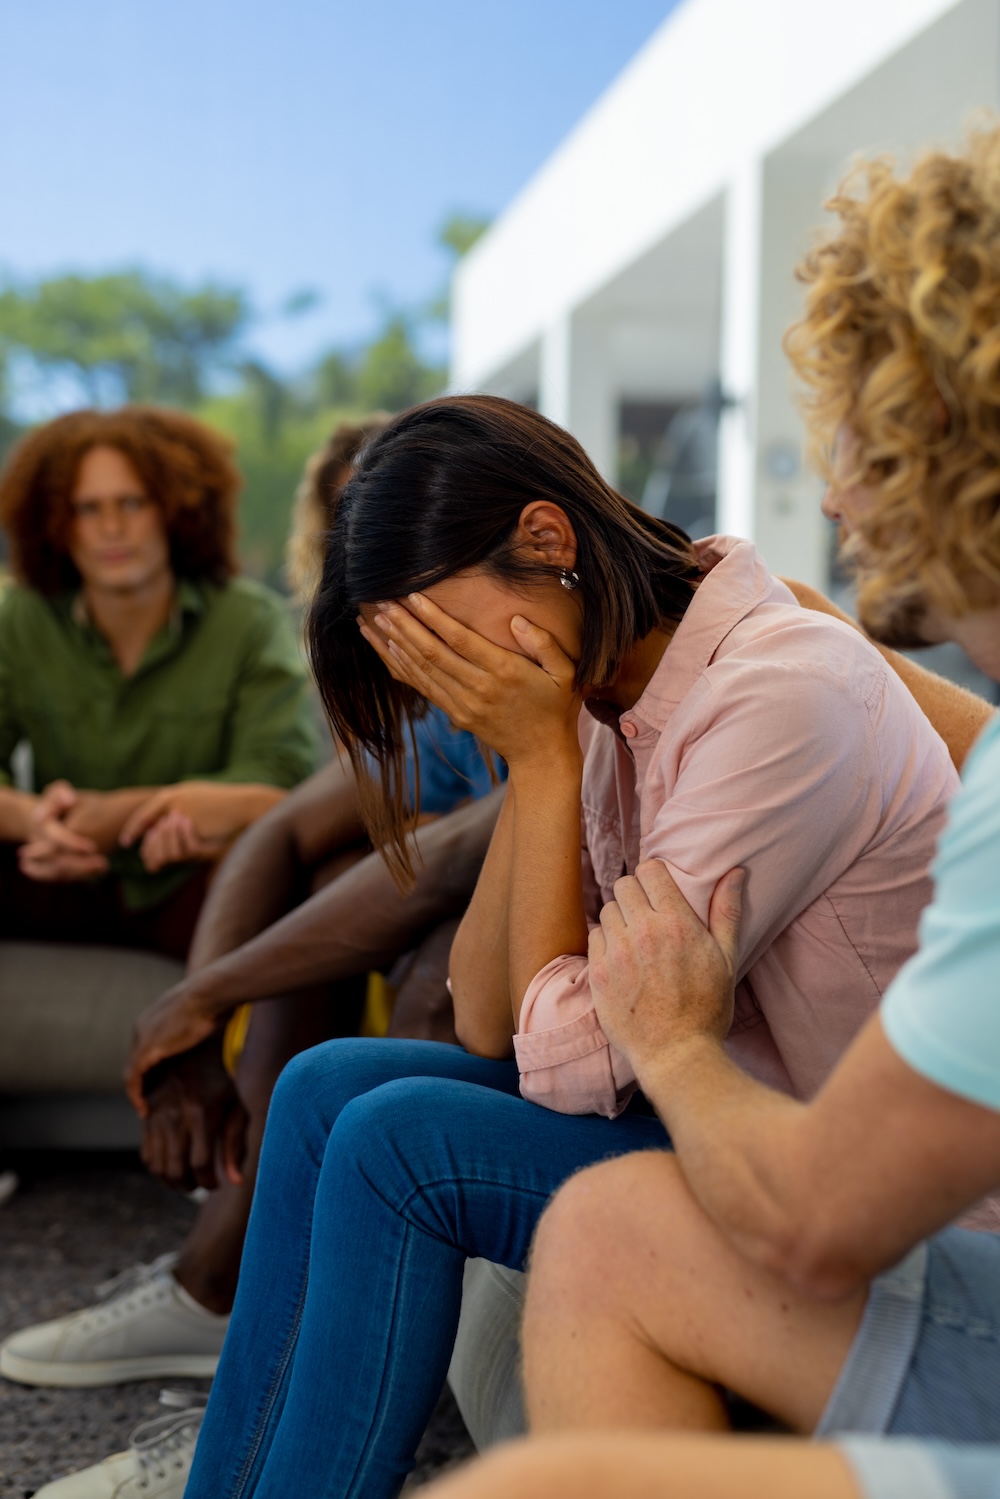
<point>253,888</point>
<point>16,808</point>
<point>738,1143</point>
<point>358,922</point>
<point>830,1192</point>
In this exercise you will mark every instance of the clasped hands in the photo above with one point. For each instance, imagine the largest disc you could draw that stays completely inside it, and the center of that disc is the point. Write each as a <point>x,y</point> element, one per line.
<point>72,832</point>
<point>195,1123</point>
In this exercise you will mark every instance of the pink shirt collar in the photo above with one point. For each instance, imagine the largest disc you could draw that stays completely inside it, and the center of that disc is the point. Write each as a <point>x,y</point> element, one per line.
<point>735,581</point>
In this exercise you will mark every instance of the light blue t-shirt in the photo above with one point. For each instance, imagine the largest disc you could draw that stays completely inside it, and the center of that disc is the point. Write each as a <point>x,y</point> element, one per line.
<point>942,1011</point>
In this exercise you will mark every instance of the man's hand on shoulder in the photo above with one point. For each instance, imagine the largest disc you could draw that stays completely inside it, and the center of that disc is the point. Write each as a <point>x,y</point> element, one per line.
<point>660,977</point>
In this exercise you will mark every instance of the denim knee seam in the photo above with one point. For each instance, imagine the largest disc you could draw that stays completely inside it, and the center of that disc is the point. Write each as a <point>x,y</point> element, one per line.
<point>425,1188</point>
<point>269,1399</point>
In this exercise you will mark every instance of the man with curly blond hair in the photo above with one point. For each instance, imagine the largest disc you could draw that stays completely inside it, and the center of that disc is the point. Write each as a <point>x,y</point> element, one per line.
<point>798,1254</point>
<point>163,700</point>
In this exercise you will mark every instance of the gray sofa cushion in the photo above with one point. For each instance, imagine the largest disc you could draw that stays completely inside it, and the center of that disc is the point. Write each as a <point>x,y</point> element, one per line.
<point>67,1011</point>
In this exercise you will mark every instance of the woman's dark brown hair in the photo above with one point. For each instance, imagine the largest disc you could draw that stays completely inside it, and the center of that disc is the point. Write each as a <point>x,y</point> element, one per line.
<point>186,469</point>
<point>439,491</point>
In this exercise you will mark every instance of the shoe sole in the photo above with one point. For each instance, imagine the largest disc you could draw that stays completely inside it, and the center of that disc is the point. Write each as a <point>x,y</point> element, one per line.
<point>107,1371</point>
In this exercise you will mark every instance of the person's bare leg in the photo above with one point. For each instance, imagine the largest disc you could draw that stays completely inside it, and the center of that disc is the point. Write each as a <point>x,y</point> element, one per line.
<point>209,1264</point>
<point>644,1466</point>
<point>639,1311</point>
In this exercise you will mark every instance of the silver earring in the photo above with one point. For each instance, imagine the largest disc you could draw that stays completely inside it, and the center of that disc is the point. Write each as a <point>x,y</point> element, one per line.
<point>568,579</point>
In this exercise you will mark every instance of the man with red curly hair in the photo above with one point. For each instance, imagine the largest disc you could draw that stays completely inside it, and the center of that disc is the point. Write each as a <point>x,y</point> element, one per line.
<point>163,699</point>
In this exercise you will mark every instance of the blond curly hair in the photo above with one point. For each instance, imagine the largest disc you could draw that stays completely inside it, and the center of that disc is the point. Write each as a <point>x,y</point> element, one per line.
<point>900,346</point>
<point>326,473</point>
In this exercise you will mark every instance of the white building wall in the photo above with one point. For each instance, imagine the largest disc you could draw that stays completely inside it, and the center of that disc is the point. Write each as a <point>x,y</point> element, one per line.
<point>576,385</point>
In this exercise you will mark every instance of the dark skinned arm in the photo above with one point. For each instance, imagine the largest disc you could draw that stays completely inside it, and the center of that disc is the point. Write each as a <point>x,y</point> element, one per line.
<point>316,820</point>
<point>358,922</point>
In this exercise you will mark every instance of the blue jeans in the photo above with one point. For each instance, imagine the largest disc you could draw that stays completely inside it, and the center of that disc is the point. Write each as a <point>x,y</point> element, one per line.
<point>385,1165</point>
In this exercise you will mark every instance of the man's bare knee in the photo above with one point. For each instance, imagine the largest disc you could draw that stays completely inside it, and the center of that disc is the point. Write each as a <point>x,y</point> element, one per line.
<point>593,1230</point>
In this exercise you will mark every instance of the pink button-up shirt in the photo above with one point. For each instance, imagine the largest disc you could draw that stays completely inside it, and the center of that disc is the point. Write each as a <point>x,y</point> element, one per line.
<point>778,739</point>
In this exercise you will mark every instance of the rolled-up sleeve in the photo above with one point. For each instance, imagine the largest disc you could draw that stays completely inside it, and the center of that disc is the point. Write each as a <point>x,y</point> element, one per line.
<point>568,1064</point>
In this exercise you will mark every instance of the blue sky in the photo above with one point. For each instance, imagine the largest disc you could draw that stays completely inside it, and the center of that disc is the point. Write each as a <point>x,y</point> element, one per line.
<point>286,145</point>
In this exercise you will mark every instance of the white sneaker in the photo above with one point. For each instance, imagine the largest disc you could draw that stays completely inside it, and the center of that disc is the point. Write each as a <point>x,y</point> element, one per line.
<point>144,1327</point>
<point>156,1465</point>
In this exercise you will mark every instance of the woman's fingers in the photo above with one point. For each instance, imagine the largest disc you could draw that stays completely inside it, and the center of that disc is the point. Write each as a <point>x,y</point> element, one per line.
<point>465,643</point>
<point>405,669</point>
<point>456,656</point>
<point>543,649</point>
<point>397,669</point>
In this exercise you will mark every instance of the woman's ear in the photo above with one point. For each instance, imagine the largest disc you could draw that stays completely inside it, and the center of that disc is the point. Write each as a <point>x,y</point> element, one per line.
<point>545,534</point>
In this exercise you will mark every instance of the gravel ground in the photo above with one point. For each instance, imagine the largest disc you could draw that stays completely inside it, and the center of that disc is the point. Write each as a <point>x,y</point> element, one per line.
<point>77,1221</point>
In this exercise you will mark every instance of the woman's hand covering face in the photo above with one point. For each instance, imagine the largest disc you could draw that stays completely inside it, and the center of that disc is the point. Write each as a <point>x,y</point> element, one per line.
<point>520,705</point>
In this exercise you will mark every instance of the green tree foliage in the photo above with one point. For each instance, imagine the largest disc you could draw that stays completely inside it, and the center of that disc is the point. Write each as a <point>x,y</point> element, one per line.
<point>387,374</point>
<point>391,375</point>
<point>335,380</point>
<point>271,459</point>
<point>126,336</point>
<point>460,231</point>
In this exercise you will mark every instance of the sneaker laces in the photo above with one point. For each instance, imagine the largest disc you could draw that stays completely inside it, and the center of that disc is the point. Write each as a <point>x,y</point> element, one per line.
<point>160,1439</point>
<point>135,1277</point>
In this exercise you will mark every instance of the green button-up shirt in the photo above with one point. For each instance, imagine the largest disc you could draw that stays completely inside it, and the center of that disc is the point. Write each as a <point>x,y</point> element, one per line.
<point>221,694</point>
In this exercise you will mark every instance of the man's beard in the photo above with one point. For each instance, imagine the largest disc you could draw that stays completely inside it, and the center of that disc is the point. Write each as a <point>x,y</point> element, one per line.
<point>904,627</point>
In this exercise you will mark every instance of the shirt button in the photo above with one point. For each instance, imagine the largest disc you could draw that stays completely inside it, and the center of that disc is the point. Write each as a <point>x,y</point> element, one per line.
<point>629,730</point>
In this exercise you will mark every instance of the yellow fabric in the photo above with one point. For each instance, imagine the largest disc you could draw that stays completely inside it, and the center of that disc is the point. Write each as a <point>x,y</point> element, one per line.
<point>379,1001</point>
<point>234,1039</point>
